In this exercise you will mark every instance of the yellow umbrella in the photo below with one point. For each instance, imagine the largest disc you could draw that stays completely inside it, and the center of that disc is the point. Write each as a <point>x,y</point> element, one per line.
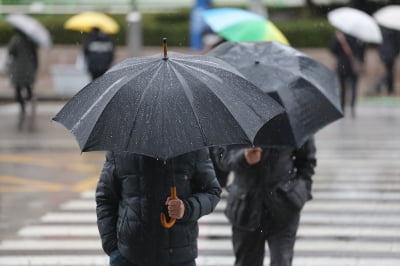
<point>86,21</point>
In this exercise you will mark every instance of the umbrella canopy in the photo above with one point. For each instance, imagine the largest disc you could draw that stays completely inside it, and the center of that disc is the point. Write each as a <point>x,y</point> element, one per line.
<point>86,21</point>
<point>32,28</point>
<point>163,106</point>
<point>356,23</point>
<point>388,17</point>
<point>238,25</point>
<point>307,89</point>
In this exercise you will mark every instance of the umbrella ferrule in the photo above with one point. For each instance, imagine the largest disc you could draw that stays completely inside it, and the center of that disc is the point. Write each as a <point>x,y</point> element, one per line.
<point>165,47</point>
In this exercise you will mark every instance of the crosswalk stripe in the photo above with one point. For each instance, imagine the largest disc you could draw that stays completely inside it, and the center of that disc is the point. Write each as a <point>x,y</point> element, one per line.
<point>354,206</point>
<point>219,217</point>
<point>101,260</point>
<point>206,245</point>
<point>218,230</point>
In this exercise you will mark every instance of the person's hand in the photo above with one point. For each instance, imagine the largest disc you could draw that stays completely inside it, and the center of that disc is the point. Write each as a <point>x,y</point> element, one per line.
<point>252,155</point>
<point>176,208</point>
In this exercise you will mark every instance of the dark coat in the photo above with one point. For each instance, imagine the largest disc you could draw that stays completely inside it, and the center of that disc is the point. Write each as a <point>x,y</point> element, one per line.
<point>390,46</point>
<point>344,65</point>
<point>271,188</point>
<point>98,50</point>
<point>23,60</point>
<point>131,194</point>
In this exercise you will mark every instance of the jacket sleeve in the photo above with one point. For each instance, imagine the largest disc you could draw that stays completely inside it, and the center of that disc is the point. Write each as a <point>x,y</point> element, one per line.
<point>206,189</point>
<point>107,202</point>
<point>305,161</point>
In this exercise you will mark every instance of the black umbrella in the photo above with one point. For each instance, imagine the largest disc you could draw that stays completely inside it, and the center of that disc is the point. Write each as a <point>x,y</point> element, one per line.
<point>306,88</point>
<point>162,106</point>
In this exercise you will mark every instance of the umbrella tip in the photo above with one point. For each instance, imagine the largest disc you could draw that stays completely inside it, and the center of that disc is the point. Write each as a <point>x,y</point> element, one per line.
<point>165,48</point>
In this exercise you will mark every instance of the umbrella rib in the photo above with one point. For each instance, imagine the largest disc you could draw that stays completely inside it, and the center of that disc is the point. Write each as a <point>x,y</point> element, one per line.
<point>95,104</point>
<point>142,100</point>
<point>186,89</point>
<point>214,77</point>
<point>123,79</point>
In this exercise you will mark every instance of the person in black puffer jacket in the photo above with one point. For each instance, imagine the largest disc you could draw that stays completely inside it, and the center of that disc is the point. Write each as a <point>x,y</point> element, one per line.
<point>131,194</point>
<point>98,50</point>
<point>269,189</point>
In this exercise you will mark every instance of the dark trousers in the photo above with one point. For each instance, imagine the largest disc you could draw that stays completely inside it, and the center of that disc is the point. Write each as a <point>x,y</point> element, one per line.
<point>20,98</point>
<point>348,83</point>
<point>116,259</point>
<point>388,79</point>
<point>249,247</point>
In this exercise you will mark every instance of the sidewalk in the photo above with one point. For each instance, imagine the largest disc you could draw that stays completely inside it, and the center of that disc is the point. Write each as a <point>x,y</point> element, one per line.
<point>65,55</point>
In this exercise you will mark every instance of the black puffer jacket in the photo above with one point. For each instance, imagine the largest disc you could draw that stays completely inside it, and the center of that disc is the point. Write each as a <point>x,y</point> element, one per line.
<point>278,185</point>
<point>131,193</point>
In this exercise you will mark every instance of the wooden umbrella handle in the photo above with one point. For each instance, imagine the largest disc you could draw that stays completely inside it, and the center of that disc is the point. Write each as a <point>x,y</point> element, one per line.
<point>163,218</point>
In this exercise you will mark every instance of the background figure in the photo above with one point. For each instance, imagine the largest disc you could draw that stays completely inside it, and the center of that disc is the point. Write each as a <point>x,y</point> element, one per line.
<point>349,52</point>
<point>131,194</point>
<point>23,67</point>
<point>388,51</point>
<point>269,189</point>
<point>98,50</point>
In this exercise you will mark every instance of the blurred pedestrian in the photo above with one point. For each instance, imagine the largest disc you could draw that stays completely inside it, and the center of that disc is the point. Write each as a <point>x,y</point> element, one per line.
<point>22,68</point>
<point>130,195</point>
<point>349,52</point>
<point>98,50</point>
<point>269,189</point>
<point>388,52</point>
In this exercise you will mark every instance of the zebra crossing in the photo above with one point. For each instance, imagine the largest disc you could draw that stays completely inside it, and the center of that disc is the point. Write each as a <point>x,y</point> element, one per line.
<point>353,220</point>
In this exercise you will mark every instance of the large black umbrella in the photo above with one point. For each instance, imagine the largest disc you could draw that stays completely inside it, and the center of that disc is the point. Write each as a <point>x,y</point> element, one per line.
<point>163,106</point>
<point>166,106</point>
<point>306,88</point>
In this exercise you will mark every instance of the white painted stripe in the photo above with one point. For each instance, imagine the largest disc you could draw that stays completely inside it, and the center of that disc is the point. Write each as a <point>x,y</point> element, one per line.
<point>87,204</point>
<point>45,244</point>
<point>218,230</point>
<point>355,206</point>
<point>317,230</point>
<point>205,245</point>
<point>314,245</point>
<point>67,217</point>
<point>101,260</point>
<point>354,195</point>
<point>329,219</point>
<point>312,205</point>
<point>59,230</point>
<point>55,260</point>
<point>307,261</point>
<point>356,186</point>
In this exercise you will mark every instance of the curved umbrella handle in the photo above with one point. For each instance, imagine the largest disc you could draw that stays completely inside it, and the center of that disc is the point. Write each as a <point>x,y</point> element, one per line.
<point>163,219</point>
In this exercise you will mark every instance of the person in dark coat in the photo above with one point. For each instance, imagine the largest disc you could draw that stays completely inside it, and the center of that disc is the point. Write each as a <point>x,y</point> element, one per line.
<point>269,189</point>
<point>388,51</point>
<point>98,50</point>
<point>349,52</point>
<point>22,68</point>
<point>131,194</point>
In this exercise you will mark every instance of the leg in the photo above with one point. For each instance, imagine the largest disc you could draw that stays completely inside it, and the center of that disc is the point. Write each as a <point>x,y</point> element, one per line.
<point>353,86</point>
<point>342,84</point>
<point>20,100</point>
<point>32,99</point>
<point>389,77</point>
<point>281,243</point>
<point>249,247</point>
